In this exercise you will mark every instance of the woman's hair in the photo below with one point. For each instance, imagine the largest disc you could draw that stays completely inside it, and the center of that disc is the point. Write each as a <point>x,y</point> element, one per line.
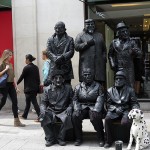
<point>30,57</point>
<point>44,52</point>
<point>6,53</point>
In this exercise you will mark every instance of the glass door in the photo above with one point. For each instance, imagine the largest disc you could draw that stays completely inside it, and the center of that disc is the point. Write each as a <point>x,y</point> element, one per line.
<point>136,15</point>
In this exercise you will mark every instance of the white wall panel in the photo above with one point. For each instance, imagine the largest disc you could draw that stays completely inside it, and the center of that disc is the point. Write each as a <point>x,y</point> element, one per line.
<point>33,23</point>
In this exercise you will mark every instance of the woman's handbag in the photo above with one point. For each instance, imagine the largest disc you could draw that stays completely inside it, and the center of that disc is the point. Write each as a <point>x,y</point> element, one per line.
<point>40,90</point>
<point>3,80</point>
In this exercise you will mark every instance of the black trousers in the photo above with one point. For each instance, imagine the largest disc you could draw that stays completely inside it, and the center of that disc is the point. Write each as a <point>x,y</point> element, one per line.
<point>9,89</point>
<point>31,98</point>
<point>54,132</point>
<point>109,123</point>
<point>96,122</point>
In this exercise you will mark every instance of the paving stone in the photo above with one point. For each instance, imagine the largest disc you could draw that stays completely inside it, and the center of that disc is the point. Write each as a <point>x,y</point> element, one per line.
<point>32,136</point>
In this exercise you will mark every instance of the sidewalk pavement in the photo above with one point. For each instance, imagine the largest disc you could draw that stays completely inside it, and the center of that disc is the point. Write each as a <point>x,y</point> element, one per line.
<point>31,137</point>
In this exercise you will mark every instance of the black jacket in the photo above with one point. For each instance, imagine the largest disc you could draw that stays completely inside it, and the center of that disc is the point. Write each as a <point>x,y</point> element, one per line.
<point>93,57</point>
<point>65,49</point>
<point>54,104</point>
<point>126,101</point>
<point>121,57</point>
<point>91,97</point>
<point>31,77</point>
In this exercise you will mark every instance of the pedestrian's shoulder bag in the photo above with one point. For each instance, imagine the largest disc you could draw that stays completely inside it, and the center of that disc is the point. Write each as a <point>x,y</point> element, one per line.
<point>3,80</point>
<point>40,89</point>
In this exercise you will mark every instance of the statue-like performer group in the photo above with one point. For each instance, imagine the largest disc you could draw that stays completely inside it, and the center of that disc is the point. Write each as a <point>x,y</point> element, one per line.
<point>61,104</point>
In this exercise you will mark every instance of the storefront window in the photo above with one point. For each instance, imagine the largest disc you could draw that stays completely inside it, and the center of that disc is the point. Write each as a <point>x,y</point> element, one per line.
<point>136,15</point>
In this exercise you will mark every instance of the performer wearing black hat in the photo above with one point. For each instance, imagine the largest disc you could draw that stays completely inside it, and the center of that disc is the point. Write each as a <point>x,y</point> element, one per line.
<point>122,51</point>
<point>56,106</point>
<point>120,100</point>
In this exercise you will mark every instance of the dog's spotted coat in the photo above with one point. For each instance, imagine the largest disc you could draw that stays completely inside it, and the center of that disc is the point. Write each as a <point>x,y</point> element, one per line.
<point>138,130</point>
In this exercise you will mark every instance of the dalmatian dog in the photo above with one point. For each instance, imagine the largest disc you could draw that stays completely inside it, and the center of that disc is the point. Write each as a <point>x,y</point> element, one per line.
<point>138,130</point>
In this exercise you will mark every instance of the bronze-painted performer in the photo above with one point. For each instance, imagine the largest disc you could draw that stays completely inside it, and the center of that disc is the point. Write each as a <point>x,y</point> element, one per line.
<point>88,103</point>
<point>56,106</point>
<point>60,49</point>
<point>122,51</point>
<point>92,51</point>
<point>120,100</point>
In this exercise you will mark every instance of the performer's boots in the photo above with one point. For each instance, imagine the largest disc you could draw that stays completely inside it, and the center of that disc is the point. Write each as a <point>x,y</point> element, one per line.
<point>61,136</point>
<point>17,123</point>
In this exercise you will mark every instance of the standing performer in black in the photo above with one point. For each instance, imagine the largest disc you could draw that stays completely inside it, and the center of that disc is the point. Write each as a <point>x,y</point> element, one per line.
<point>92,52</point>
<point>122,51</point>
<point>60,50</point>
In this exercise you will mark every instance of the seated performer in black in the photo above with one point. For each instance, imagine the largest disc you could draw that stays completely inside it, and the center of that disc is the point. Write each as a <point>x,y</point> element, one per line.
<point>120,100</point>
<point>56,106</point>
<point>88,102</point>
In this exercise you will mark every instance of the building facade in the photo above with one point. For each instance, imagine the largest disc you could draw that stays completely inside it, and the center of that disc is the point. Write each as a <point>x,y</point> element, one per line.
<point>33,23</point>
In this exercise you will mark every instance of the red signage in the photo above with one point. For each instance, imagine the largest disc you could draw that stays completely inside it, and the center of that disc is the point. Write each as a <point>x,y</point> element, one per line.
<point>6,34</point>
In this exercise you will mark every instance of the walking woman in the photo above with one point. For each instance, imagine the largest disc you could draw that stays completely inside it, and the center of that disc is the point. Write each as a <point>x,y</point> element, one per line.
<point>11,86</point>
<point>31,77</point>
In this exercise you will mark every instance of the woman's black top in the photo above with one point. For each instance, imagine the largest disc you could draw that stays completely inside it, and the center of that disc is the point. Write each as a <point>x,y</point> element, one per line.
<point>31,77</point>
